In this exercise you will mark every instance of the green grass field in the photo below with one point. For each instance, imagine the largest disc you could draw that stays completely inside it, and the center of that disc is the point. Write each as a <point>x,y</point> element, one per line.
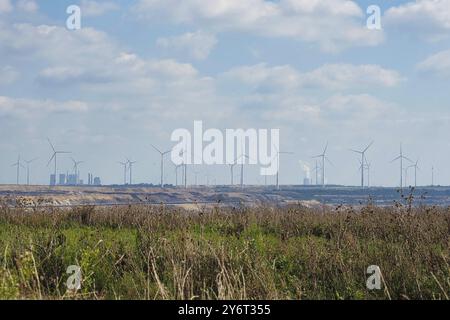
<point>259,253</point>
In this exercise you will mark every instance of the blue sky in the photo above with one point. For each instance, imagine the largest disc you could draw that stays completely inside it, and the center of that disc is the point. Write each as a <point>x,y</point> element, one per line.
<point>137,70</point>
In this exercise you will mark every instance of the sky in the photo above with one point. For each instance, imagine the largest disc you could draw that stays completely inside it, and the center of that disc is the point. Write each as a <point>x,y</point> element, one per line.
<point>138,70</point>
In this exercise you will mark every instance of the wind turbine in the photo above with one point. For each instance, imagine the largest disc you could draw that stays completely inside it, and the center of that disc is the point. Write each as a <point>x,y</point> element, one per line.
<point>401,157</point>
<point>184,168</point>
<point>316,170</point>
<point>363,155</point>
<point>125,167</point>
<point>416,167</point>
<point>368,166</point>
<point>278,162</point>
<point>196,173</point>
<point>19,165</point>
<point>162,163</point>
<point>232,173</point>
<point>75,169</point>
<point>54,156</point>
<point>130,167</point>
<point>243,156</point>
<point>324,157</point>
<point>28,169</point>
<point>365,167</point>
<point>176,173</point>
<point>432,176</point>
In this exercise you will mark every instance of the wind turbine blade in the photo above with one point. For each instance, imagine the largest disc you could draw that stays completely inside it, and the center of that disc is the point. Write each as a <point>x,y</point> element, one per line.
<point>325,150</point>
<point>408,159</point>
<point>355,151</point>
<point>51,145</point>
<point>49,161</point>
<point>398,158</point>
<point>156,149</point>
<point>329,161</point>
<point>368,147</point>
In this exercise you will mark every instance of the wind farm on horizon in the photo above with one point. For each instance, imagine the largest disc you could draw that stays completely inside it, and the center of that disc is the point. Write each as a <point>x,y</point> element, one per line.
<point>190,173</point>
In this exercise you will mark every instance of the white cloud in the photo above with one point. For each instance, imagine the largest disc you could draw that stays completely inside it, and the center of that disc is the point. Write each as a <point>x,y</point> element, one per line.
<point>5,6</point>
<point>90,8</point>
<point>90,64</point>
<point>429,18</point>
<point>337,109</point>
<point>27,5</point>
<point>333,24</point>
<point>198,44</point>
<point>350,107</point>
<point>8,75</point>
<point>86,56</point>
<point>329,76</point>
<point>340,76</point>
<point>437,64</point>
<point>29,108</point>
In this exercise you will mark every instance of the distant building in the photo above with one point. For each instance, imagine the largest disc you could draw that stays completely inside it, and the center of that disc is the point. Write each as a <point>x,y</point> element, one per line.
<point>52,180</point>
<point>97,181</point>
<point>307,182</point>
<point>72,179</point>
<point>62,179</point>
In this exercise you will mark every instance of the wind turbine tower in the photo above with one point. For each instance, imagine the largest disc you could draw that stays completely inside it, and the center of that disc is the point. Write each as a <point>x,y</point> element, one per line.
<point>232,173</point>
<point>162,162</point>
<point>54,156</point>
<point>130,167</point>
<point>401,157</point>
<point>278,162</point>
<point>323,157</point>
<point>76,171</point>
<point>28,169</point>
<point>125,167</point>
<point>416,167</point>
<point>363,161</point>
<point>19,165</point>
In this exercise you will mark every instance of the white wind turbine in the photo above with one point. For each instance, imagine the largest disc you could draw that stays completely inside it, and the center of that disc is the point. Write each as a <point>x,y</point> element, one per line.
<point>130,167</point>
<point>401,157</point>
<point>278,153</point>
<point>316,171</point>
<point>324,157</point>
<point>75,169</point>
<point>125,167</point>
<point>232,173</point>
<point>162,153</point>
<point>28,169</point>
<point>19,165</point>
<point>54,156</point>
<point>416,167</point>
<point>363,161</point>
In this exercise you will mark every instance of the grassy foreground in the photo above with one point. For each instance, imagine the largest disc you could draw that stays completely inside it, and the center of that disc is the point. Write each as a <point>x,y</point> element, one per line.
<point>261,253</point>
